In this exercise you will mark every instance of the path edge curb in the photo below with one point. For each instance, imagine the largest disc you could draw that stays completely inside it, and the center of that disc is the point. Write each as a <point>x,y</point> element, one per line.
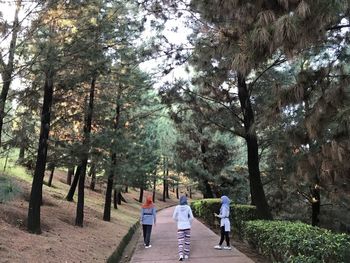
<point>118,252</point>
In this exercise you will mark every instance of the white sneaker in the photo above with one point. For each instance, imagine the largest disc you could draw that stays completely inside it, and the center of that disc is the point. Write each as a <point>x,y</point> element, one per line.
<point>186,256</point>
<point>227,248</point>
<point>181,258</point>
<point>218,247</point>
<point>148,246</point>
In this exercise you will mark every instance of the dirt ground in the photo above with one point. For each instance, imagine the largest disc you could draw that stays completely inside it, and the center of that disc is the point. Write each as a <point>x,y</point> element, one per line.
<point>60,240</point>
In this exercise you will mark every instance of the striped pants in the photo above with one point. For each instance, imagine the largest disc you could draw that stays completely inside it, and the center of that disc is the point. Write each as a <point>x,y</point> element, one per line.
<point>183,239</point>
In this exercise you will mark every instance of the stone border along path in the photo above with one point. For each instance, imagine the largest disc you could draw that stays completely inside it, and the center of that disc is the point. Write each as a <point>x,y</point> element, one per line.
<point>164,244</point>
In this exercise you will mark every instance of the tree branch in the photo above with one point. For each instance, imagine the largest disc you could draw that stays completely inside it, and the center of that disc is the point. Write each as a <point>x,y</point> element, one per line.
<point>275,63</point>
<point>337,27</point>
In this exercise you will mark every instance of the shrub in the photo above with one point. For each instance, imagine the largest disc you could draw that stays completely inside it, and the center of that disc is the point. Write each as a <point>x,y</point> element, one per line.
<point>239,214</point>
<point>285,241</point>
<point>206,208</point>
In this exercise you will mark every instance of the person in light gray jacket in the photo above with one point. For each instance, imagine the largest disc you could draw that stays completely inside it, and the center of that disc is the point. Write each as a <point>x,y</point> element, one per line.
<point>224,223</point>
<point>183,216</point>
<point>148,219</point>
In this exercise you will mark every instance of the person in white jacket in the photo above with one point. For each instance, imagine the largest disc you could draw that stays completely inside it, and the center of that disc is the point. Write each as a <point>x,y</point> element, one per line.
<point>183,216</point>
<point>224,223</point>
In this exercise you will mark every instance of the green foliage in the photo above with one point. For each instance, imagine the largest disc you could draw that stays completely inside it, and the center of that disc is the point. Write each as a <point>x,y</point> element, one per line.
<point>286,241</point>
<point>12,169</point>
<point>206,208</point>
<point>8,189</point>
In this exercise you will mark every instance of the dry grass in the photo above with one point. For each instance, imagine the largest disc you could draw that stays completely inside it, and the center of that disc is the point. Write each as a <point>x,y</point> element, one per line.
<point>61,241</point>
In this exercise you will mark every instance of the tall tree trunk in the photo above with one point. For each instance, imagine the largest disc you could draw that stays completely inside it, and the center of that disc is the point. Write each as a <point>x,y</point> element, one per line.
<point>107,207</point>
<point>164,181</point>
<point>35,201</point>
<point>79,221</point>
<point>108,197</point>
<point>49,183</point>
<point>257,190</point>
<point>177,191</point>
<point>21,154</point>
<point>93,177</point>
<point>74,184</point>
<point>154,188</point>
<point>167,179</point>
<point>115,199</point>
<point>141,194</point>
<point>7,69</point>
<point>191,192</point>
<point>208,193</point>
<point>126,189</point>
<point>119,198</point>
<point>70,173</point>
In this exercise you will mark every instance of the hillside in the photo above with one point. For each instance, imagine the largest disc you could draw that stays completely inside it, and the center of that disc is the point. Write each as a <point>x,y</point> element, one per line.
<point>61,241</point>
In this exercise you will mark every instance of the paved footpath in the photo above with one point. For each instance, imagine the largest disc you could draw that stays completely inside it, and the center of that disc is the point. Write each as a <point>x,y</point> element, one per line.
<point>164,244</point>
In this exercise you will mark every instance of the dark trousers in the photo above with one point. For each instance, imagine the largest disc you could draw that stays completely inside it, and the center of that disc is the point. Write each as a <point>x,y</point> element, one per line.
<point>147,229</point>
<point>226,235</point>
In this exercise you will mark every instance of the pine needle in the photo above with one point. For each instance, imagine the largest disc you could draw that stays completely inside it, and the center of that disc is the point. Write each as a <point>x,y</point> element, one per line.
<point>303,9</point>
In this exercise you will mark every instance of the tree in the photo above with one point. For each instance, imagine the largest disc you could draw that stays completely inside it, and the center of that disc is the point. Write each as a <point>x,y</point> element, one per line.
<point>254,33</point>
<point>48,70</point>
<point>7,69</point>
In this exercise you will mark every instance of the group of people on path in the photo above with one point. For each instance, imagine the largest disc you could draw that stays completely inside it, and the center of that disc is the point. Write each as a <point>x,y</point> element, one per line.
<point>183,216</point>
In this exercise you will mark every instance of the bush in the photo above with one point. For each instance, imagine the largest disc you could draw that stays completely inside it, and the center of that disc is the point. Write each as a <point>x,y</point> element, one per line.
<point>293,242</point>
<point>239,214</point>
<point>206,208</point>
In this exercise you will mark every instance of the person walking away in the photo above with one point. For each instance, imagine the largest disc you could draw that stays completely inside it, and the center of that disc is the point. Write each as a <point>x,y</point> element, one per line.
<point>148,219</point>
<point>184,217</point>
<point>224,223</point>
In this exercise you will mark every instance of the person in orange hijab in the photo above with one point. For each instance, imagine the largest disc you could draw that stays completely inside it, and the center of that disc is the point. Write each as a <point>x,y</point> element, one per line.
<point>148,219</point>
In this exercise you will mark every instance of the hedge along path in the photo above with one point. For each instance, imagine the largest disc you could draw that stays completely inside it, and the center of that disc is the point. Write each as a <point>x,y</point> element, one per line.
<point>164,244</point>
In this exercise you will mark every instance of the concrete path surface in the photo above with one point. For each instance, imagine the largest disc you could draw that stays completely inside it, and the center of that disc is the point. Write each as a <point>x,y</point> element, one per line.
<point>164,244</point>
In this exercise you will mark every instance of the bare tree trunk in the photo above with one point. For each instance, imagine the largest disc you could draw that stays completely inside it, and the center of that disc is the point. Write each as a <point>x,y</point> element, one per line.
<point>167,179</point>
<point>107,207</point>
<point>154,188</point>
<point>208,192</point>
<point>21,154</point>
<point>70,174</point>
<point>93,177</point>
<point>115,199</point>
<point>108,198</point>
<point>164,180</point>
<point>79,220</point>
<point>49,183</point>
<point>119,198</point>
<point>34,224</point>
<point>257,190</point>
<point>141,194</point>
<point>74,184</point>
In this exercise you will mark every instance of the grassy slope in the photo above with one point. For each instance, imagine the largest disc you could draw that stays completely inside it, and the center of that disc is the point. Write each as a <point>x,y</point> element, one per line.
<point>61,241</point>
